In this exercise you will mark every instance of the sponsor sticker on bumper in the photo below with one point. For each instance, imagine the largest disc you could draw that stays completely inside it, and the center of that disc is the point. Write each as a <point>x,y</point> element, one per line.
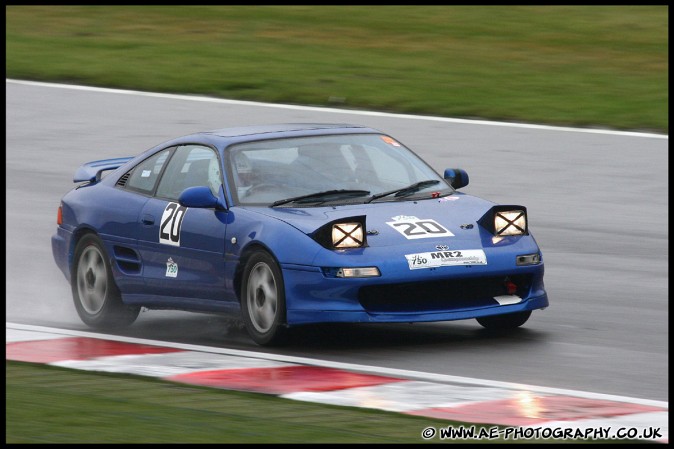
<point>446,258</point>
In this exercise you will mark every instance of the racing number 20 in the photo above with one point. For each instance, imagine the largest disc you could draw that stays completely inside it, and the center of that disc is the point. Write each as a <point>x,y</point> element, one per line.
<point>419,229</point>
<point>171,221</point>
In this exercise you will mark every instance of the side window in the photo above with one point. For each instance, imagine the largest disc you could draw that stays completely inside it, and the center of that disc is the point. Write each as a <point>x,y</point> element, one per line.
<point>190,166</point>
<point>144,176</point>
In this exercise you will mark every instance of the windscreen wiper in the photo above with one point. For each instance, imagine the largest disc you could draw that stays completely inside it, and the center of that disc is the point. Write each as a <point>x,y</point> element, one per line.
<point>327,195</point>
<point>405,190</point>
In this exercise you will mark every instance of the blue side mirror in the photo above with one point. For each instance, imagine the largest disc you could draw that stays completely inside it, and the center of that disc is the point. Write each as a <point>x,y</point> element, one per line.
<point>457,178</point>
<point>200,196</point>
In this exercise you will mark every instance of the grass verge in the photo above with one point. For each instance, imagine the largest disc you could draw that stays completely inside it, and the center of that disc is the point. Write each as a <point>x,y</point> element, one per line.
<point>603,66</point>
<point>46,404</point>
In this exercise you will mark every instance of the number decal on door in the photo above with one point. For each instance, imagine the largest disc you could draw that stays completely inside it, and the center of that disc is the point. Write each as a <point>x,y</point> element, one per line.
<point>171,221</point>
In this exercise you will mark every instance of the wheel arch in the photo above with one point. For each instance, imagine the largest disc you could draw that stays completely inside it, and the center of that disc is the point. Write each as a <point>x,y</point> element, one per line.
<point>77,236</point>
<point>246,252</point>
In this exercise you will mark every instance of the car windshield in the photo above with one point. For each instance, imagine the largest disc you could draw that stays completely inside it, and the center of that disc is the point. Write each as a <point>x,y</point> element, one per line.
<point>331,169</point>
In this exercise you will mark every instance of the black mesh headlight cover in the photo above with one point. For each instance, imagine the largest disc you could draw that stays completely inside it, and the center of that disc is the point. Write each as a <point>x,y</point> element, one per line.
<point>343,233</point>
<point>505,220</point>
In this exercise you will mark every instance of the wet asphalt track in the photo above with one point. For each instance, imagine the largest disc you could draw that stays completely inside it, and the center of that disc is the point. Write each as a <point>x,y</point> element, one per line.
<point>598,207</point>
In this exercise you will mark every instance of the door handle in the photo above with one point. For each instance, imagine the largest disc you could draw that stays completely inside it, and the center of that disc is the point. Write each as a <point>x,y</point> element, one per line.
<point>147,219</point>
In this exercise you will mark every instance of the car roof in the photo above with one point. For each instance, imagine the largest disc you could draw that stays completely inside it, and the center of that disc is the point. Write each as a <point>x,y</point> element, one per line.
<point>223,138</point>
<point>278,128</point>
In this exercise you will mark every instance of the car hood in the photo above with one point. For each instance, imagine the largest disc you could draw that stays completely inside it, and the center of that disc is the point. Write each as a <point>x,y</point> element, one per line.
<point>424,219</point>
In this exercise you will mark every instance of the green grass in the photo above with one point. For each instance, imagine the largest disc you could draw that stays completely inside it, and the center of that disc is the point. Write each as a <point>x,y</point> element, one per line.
<point>604,66</point>
<point>53,405</point>
<point>46,404</point>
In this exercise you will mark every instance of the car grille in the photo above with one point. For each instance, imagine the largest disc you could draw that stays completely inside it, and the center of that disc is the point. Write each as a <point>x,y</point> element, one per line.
<point>454,294</point>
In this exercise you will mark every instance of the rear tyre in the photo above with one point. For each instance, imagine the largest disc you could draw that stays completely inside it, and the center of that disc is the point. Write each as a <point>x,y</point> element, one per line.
<point>97,299</point>
<point>263,300</point>
<point>504,322</point>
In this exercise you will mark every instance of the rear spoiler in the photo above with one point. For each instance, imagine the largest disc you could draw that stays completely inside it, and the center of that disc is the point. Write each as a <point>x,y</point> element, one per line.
<point>91,171</point>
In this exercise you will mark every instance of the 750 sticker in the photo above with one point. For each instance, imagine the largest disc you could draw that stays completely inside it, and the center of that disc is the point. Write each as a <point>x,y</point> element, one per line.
<point>171,268</point>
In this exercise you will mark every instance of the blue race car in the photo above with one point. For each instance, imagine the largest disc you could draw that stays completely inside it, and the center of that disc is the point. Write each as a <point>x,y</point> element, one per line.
<point>292,224</point>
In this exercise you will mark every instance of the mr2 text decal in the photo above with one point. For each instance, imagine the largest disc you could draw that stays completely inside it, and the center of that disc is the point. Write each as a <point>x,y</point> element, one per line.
<point>171,221</point>
<point>446,258</point>
<point>415,228</point>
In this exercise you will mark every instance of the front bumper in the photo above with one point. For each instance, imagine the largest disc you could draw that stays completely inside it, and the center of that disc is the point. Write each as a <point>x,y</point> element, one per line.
<point>434,295</point>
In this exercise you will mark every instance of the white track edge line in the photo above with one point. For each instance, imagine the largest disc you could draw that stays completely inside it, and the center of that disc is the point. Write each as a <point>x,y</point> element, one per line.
<point>391,372</point>
<point>337,111</point>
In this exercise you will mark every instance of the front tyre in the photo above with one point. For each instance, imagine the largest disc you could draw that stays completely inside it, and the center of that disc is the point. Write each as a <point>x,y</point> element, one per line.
<point>263,299</point>
<point>504,322</point>
<point>97,299</point>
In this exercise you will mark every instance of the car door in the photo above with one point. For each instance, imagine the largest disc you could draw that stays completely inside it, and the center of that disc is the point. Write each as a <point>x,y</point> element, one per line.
<point>183,248</point>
